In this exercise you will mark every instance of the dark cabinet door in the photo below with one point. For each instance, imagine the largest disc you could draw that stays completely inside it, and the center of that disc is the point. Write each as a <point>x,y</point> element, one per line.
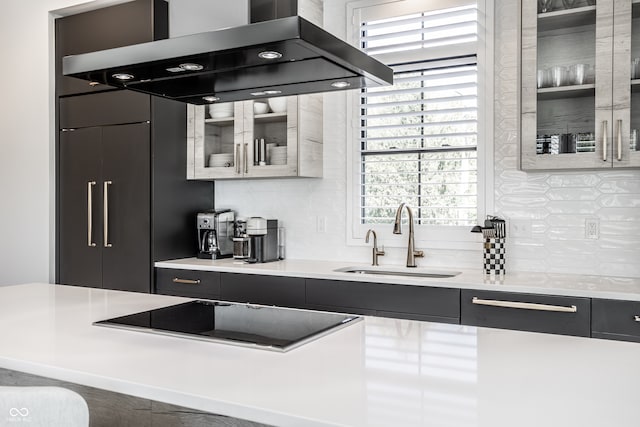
<point>410,302</point>
<point>615,320</point>
<point>80,250</point>
<point>120,25</point>
<point>126,262</point>
<point>268,290</point>
<point>188,283</point>
<point>527,312</point>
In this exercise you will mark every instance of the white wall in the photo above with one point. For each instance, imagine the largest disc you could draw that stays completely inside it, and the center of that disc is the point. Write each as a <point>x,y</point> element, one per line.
<point>26,159</point>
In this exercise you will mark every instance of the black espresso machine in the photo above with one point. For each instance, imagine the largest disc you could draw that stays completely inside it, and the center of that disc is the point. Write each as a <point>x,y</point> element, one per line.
<point>215,234</point>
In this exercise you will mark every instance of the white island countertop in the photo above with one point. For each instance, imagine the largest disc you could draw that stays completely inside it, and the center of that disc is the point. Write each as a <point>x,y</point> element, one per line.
<point>380,372</point>
<point>622,288</point>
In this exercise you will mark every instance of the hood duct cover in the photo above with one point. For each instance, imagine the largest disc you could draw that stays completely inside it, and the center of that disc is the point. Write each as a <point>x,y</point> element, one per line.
<point>311,60</point>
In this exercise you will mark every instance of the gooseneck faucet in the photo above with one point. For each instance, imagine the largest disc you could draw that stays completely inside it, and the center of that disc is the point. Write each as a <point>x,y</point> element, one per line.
<point>412,253</point>
<point>375,252</point>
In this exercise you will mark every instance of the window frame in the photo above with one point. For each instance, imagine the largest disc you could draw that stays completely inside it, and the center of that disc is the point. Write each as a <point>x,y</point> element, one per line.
<point>426,236</point>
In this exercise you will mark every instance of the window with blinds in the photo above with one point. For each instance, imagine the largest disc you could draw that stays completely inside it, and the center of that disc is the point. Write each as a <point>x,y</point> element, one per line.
<point>418,138</point>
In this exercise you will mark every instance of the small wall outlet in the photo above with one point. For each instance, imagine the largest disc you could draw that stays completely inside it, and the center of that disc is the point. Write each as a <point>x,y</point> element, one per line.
<point>321,224</point>
<point>520,227</point>
<point>592,228</point>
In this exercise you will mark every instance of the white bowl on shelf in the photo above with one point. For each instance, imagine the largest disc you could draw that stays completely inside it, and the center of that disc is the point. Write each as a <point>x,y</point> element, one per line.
<point>260,107</point>
<point>221,111</point>
<point>278,105</point>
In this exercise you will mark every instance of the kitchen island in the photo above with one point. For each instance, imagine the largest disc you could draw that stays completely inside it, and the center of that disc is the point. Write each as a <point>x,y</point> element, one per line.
<point>380,372</point>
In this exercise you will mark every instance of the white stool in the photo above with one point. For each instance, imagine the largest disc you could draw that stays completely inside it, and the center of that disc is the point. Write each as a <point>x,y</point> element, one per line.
<point>42,407</point>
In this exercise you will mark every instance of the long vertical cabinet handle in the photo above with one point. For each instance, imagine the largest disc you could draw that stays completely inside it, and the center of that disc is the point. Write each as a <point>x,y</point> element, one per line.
<point>246,162</point>
<point>106,213</point>
<point>619,136</point>
<point>90,186</point>
<point>605,142</point>
<point>237,160</point>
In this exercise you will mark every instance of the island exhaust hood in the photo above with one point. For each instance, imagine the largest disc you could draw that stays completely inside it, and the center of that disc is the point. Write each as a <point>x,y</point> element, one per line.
<point>286,56</point>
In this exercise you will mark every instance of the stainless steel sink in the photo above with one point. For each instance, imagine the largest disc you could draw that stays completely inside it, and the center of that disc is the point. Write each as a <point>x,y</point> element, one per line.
<point>406,272</point>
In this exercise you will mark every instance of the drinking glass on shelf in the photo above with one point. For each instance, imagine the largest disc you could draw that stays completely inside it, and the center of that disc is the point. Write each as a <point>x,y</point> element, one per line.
<point>542,78</point>
<point>635,68</point>
<point>545,5</point>
<point>558,76</point>
<point>568,4</point>
<point>578,73</point>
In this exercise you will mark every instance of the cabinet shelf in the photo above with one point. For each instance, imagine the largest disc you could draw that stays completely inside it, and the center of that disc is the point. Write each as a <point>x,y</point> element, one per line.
<point>575,17</point>
<point>635,85</point>
<point>270,117</point>
<point>221,121</point>
<point>575,91</point>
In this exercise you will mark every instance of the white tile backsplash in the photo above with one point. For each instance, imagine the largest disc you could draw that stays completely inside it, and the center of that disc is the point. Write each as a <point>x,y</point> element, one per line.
<point>556,203</point>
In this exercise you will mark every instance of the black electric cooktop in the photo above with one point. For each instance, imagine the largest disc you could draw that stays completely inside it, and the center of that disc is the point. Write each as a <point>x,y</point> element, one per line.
<point>271,328</point>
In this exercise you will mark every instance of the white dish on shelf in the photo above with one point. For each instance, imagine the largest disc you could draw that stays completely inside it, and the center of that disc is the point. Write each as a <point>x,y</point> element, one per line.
<point>221,111</point>
<point>278,105</point>
<point>260,107</point>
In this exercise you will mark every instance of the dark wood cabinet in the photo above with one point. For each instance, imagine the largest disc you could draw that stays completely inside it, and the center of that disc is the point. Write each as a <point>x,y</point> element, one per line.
<point>123,148</point>
<point>615,320</point>
<point>104,207</point>
<point>131,178</point>
<point>380,299</point>
<point>267,290</point>
<point>120,25</point>
<point>188,283</point>
<point>526,312</point>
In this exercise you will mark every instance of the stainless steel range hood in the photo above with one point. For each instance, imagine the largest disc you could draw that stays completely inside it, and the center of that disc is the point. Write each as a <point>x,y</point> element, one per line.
<point>286,56</point>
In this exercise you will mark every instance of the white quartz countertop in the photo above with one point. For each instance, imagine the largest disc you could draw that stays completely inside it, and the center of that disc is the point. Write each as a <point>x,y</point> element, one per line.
<point>380,372</point>
<point>624,288</point>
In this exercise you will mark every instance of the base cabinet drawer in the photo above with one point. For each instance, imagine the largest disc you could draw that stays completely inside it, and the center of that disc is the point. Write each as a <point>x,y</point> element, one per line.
<point>526,312</point>
<point>188,283</point>
<point>615,320</point>
<point>381,299</point>
<point>258,289</point>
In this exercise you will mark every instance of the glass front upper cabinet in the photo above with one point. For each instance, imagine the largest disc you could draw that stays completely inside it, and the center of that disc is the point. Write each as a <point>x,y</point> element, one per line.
<point>576,107</point>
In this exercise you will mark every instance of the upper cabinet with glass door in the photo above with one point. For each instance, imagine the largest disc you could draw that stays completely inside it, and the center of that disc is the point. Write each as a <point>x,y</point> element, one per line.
<point>576,107</point>
<point>278,137</point>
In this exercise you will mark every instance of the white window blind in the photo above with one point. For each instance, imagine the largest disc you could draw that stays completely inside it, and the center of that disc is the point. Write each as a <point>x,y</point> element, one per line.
<point>418,138</point>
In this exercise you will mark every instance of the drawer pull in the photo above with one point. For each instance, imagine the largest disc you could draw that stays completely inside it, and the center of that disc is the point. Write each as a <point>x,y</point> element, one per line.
<point>524,305</point>
<point>186,281</point>
<point>637,318</point>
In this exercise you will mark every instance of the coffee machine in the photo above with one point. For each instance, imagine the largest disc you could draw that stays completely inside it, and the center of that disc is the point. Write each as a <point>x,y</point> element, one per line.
<point>215,234</point>
<point>263,236</point>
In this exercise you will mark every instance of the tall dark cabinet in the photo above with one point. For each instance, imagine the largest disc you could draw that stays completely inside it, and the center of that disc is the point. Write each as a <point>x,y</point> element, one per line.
<point>123,200</point>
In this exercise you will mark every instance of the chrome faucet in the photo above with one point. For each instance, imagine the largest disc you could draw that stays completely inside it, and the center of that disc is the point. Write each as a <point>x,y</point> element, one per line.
<point>375,252</point>
<point>412,254</point>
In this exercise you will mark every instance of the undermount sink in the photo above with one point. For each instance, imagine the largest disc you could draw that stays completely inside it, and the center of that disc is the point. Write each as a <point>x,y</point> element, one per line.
<point>434,274</point>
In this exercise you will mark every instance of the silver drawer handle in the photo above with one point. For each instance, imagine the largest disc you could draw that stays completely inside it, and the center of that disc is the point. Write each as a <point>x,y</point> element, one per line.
<point>524,305</point>
<point>637,318</point>
<point>186,281</point>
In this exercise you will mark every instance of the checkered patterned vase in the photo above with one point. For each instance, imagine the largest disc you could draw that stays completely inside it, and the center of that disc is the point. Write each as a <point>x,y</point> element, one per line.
<point>494,256</point>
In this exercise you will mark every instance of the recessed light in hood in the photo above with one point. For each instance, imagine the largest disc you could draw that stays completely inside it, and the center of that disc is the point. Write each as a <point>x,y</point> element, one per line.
<point>237,63</point>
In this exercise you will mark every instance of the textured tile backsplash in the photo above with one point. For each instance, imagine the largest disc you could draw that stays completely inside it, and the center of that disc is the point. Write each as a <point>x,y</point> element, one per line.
<point>555,205</point>
<point>558,204</point>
